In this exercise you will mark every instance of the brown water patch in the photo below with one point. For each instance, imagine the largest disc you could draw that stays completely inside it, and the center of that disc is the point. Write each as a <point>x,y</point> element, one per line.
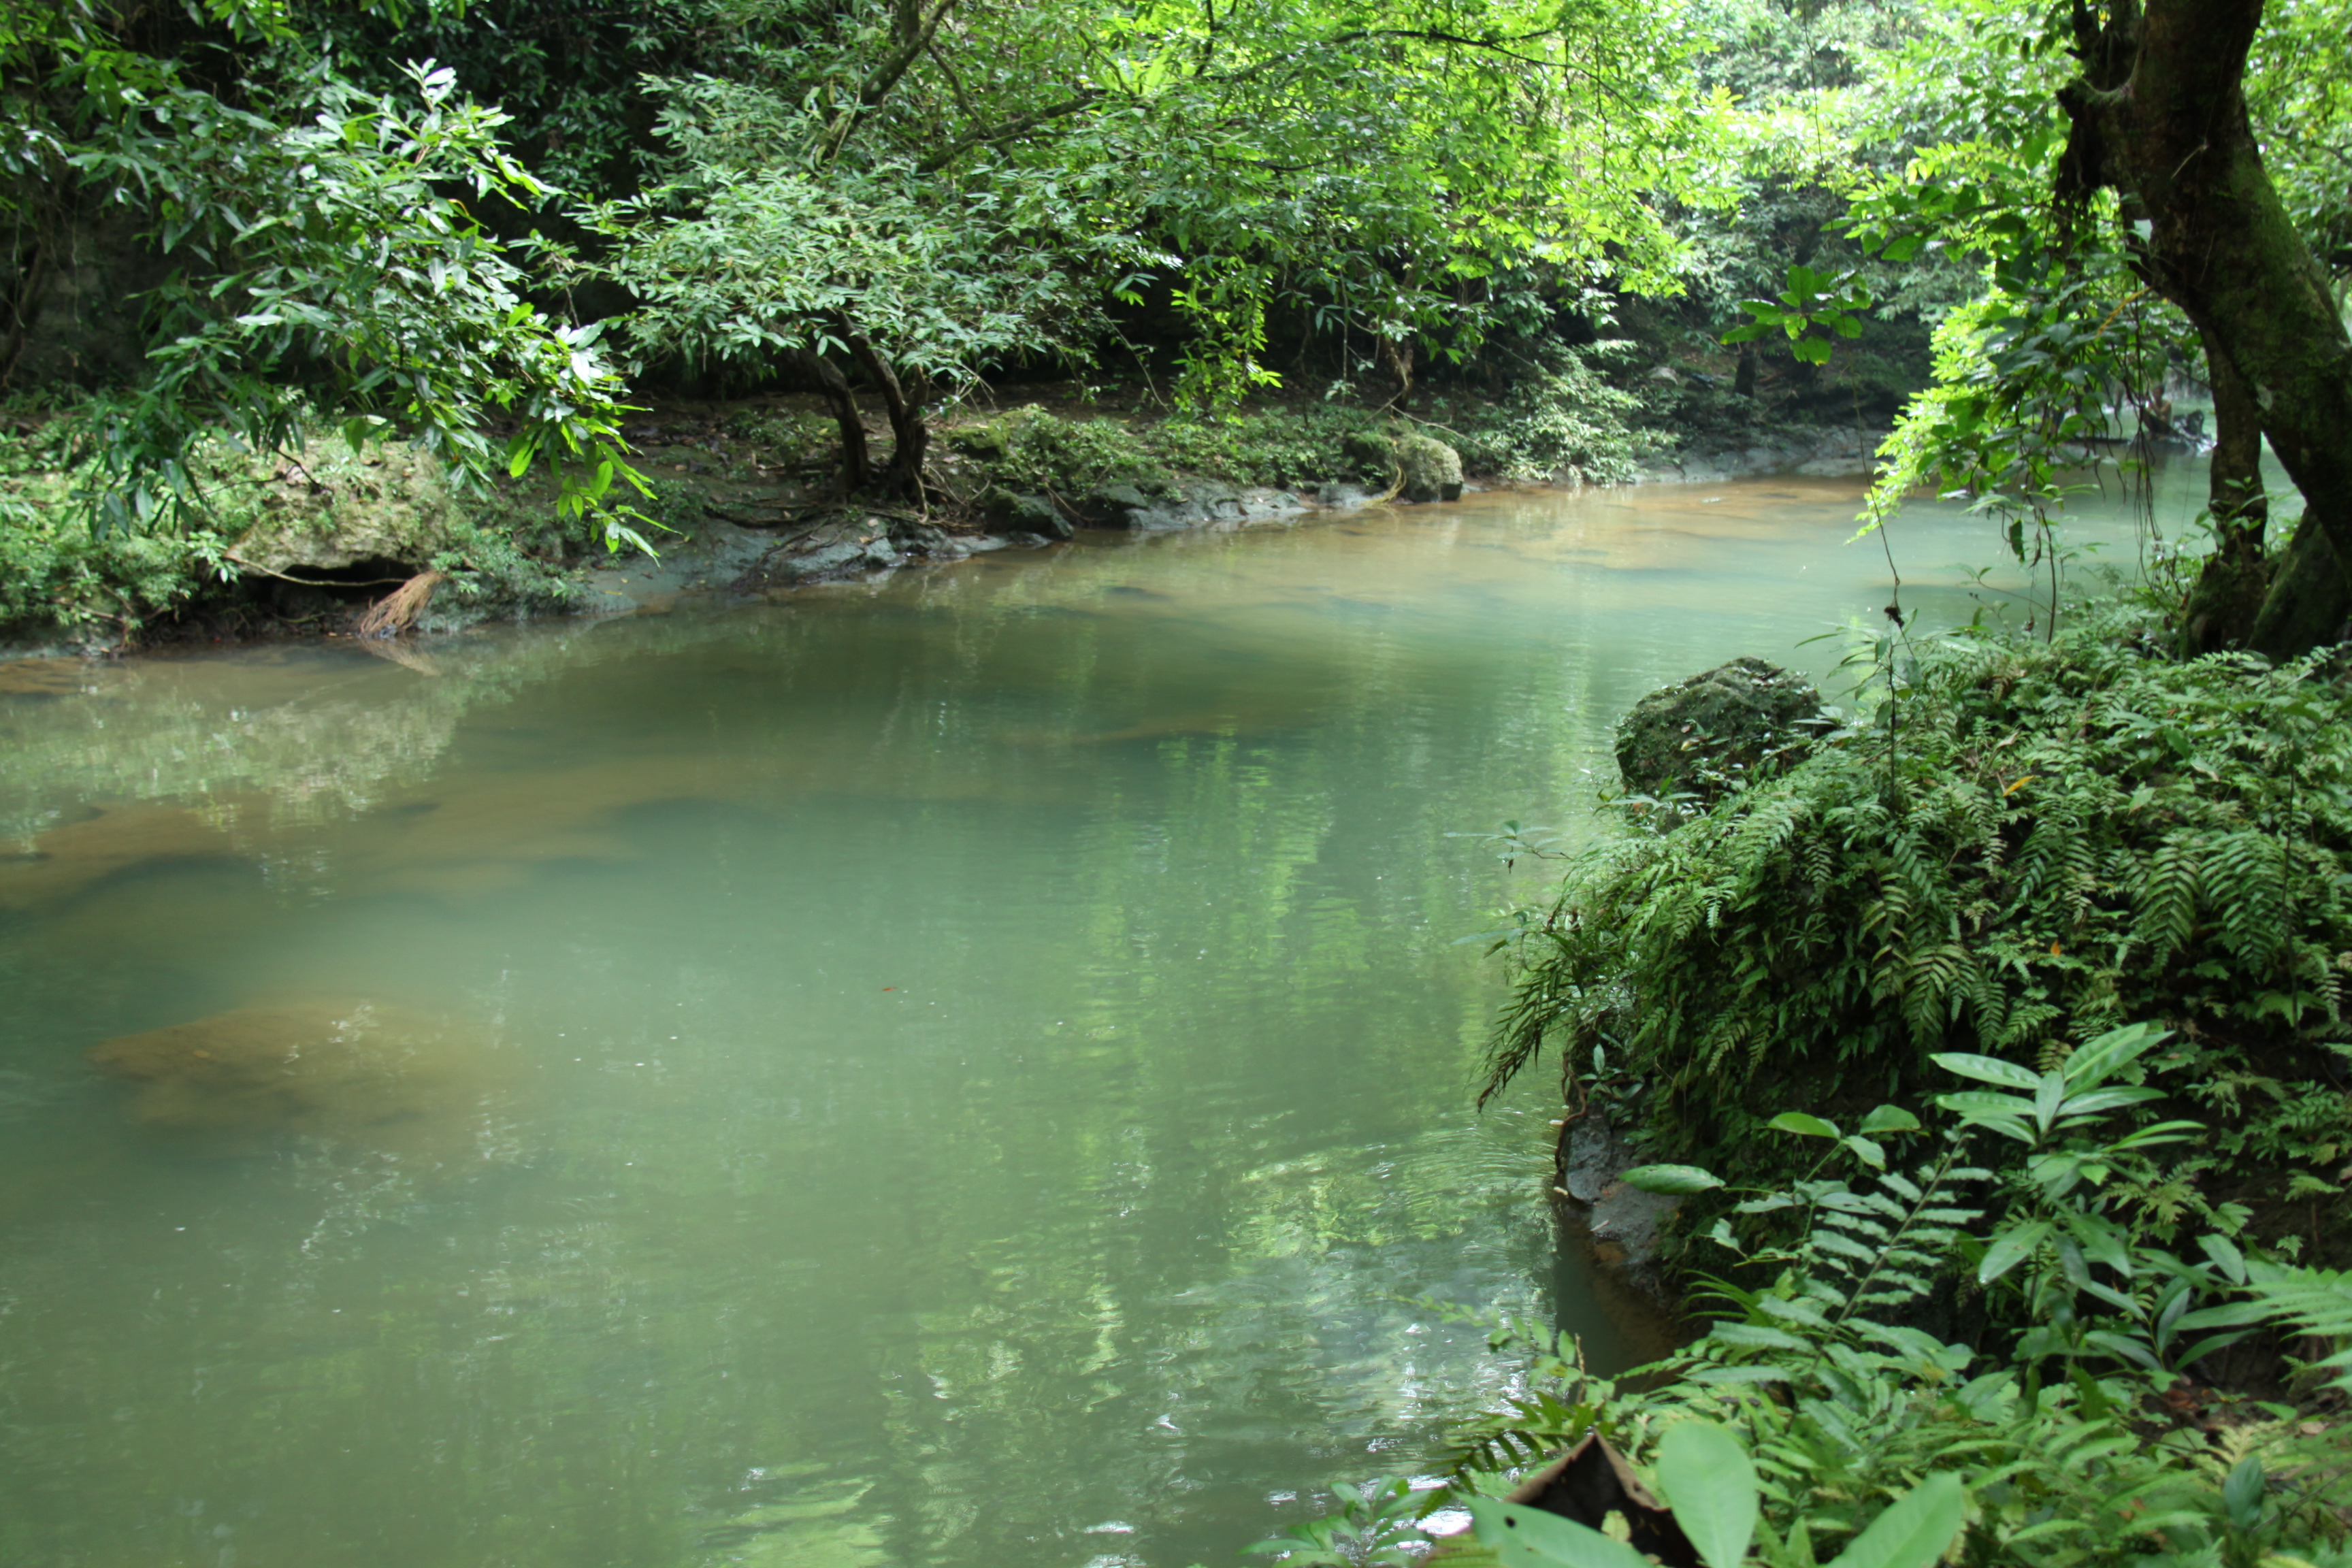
<point>345,1071</point>
<point>71,856</point>
<point>47,678</point>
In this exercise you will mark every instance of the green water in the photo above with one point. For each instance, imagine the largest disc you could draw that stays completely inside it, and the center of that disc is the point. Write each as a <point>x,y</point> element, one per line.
<point>971,1072</point>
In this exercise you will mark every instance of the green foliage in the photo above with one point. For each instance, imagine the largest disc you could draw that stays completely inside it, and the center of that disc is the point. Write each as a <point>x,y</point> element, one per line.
<point>2013,849</point>
<point>1376,1527</point>
<point>1811,1417</point>
<point>1311,444</point>
<point>319,251</point>
<point>1563,414</point>
<point>1812,313</point>
<point>751,265</point>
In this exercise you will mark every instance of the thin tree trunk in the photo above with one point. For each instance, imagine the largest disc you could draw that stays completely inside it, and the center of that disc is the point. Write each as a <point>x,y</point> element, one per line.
<point>856,468</point>
<point>911,436</point>
<point>1400,357</point>
<point>2160,114</point>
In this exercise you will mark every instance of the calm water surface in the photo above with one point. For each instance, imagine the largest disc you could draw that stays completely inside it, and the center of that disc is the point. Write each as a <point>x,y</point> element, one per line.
<point>968,1071</point>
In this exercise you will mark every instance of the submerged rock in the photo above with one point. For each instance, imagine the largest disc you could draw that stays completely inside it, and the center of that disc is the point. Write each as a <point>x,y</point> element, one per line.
<point>1702,735</point>
<point>342,1070</point>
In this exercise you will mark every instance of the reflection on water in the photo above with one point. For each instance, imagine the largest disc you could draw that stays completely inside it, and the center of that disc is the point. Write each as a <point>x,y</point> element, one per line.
<point>970,1071</point>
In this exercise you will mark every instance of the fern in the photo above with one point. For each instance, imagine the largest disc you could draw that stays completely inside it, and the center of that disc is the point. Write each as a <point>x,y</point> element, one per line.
<point>2314,1301</point>
<point>2066,839</point>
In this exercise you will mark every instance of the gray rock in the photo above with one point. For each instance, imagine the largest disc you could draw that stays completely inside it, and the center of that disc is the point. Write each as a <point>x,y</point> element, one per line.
<point>1007,512</point>
<point>840,561</point>
<point>1115,506</point>
<point>1620,1227</point>
<point>1433,470</point>
<point>1713,729</point>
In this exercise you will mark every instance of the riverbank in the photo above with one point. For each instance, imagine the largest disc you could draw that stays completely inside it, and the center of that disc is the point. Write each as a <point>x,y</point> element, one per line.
<point>746,502</point>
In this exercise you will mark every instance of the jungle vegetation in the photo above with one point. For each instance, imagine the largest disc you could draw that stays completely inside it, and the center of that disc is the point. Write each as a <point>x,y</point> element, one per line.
<point>2056,924</point>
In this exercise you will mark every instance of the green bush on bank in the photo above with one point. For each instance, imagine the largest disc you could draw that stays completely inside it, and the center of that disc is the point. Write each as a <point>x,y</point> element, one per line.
<point>1032,450</point>
<point>2012,848</point>
<point>1562,416</point>
<point>59,578</point>
<point>63,579</point>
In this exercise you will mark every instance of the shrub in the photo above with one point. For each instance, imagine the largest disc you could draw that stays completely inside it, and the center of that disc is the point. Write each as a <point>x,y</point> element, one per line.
<point>2014,849</point>
<point>1563,414</point>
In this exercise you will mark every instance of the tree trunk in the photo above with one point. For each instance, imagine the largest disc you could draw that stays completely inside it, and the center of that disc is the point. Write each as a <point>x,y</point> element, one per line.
<point>910,437</point>
<point>2227,602</point>
<point>856,468</point>
<point>1399,358</point>
<point>2160,114</point>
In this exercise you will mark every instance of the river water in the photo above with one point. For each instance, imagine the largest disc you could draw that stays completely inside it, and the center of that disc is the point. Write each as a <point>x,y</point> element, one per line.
<point>973,1070</point>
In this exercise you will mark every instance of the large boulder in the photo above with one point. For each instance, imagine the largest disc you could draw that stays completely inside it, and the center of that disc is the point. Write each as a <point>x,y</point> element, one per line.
<point>1704,735</point>
<point>333,510</point>
<point>1433,470</point>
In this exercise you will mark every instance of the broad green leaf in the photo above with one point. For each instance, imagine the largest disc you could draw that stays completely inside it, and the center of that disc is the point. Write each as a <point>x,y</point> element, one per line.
<point>2010,1248</point>
<point>1802,1125</point>
<point>2241,1494</point>
<point>1523,1537</point>
<point>1976,1104</point>
<point>2100,1059</point>
<point>1671,1180</point>
<point>1711,1486</point>
<point>1868,1150</point>
<point>1890,1118</point>
<point>1757,1336</point>
<point>1988,1070</point>
<point>1915,1531</point>
<point>2225,1255</point>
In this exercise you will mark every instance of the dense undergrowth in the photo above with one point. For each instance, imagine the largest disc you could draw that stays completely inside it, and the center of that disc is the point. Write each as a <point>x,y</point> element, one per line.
<point>1993,1042</point>
<point>2018,846</point>
<point>65,577</point>
<point>1817,1420</point>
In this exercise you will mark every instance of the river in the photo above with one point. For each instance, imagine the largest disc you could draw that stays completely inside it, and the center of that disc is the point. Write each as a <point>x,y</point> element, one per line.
<point>972,1070</point>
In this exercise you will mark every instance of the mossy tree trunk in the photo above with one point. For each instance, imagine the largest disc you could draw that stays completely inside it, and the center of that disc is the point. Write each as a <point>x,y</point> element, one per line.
<point>2158,114</point>
<point>2227,602</point>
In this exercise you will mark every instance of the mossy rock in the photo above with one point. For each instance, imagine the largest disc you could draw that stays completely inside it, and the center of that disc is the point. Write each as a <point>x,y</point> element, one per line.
<point>1372,453</point>
<point>1701,736</point>
<point>992,439</point>
<point>1008,512</point>
<point>335,509</point>
<point>1433,470</point>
